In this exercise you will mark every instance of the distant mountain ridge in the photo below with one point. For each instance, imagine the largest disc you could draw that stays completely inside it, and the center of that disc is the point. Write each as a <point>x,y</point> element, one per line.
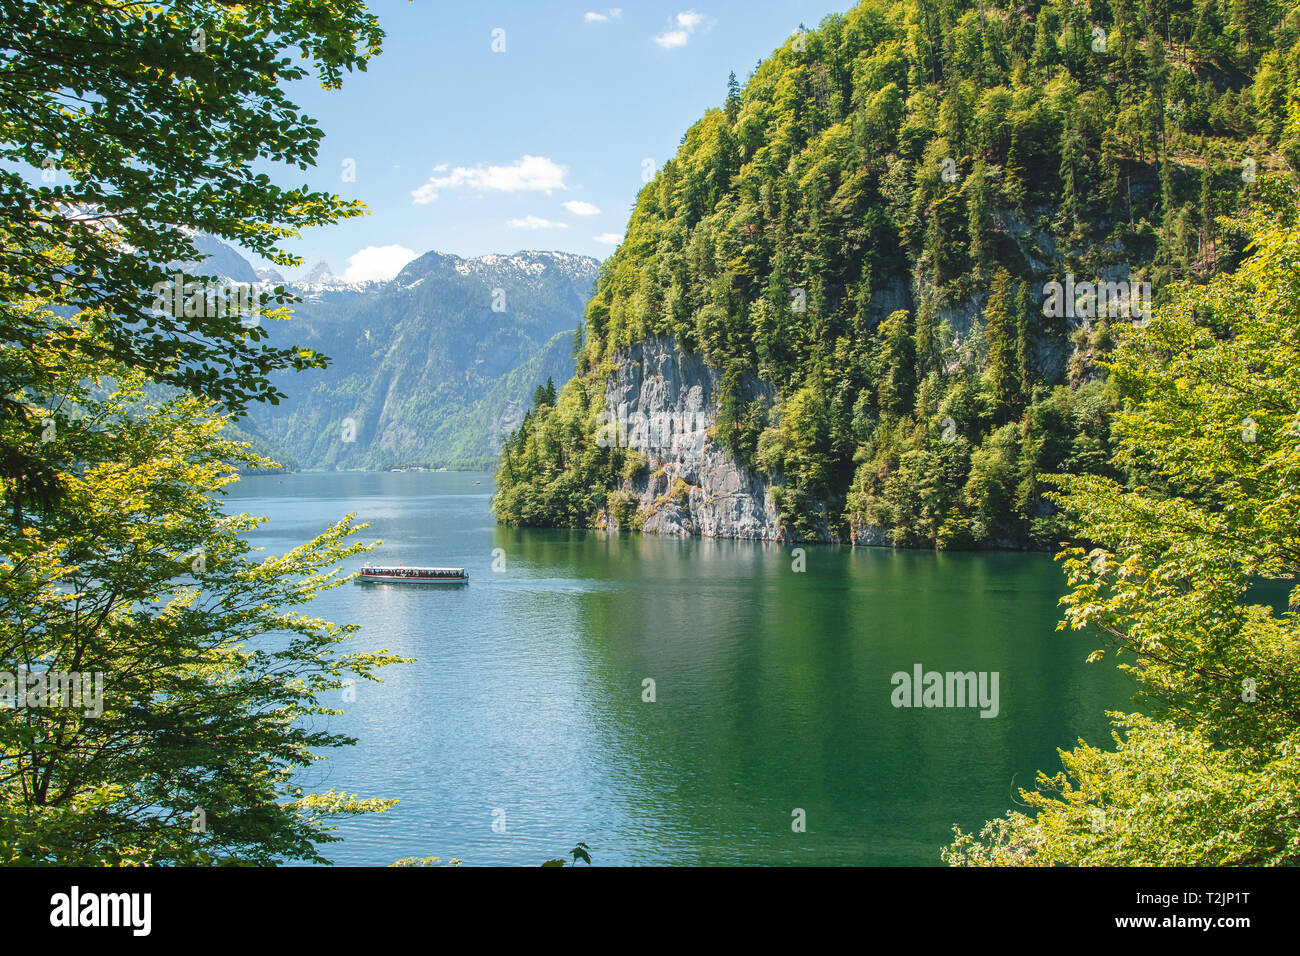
<point>427,369</point>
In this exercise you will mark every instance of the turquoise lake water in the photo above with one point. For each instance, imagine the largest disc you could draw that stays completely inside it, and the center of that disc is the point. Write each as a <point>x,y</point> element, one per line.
<point>523,726</point>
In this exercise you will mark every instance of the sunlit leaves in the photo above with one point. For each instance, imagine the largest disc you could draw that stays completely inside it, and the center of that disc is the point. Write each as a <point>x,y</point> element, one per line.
<point>1176,576</point>
<point>213,669</point>
<point>153,134</point>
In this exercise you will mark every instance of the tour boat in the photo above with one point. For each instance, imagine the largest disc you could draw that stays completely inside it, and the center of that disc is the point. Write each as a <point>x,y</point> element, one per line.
<point>405,575</point>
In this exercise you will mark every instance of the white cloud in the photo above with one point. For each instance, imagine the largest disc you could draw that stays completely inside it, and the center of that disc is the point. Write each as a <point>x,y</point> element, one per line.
<point>686,22</point>
<point>613,14</point>
<point>377,262</point>
<point>535,222</point>
<point>528,174</point>
<point>580,208</point>
<point>608,238</point>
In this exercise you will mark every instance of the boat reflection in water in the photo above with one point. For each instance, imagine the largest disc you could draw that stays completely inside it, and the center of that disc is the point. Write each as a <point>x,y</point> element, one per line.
<point>404,575</point>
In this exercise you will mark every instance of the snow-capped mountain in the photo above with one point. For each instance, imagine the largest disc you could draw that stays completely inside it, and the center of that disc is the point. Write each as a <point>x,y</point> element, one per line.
<point>431,366</point>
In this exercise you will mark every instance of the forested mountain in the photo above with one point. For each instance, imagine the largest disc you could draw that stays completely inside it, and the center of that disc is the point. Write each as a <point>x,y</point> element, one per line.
<point>429,369</point>
<point>901,249</point>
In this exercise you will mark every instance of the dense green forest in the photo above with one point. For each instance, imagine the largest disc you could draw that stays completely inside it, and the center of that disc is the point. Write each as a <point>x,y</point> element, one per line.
<point>872,224</point>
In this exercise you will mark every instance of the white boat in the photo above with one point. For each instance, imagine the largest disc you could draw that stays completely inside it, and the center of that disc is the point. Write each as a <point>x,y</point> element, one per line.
<point>415,575</point>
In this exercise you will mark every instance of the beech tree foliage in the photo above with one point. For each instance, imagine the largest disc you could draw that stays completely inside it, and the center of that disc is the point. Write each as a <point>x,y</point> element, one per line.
<point>1177,563</point>
<point>125,128</point>
<point>209,660</point>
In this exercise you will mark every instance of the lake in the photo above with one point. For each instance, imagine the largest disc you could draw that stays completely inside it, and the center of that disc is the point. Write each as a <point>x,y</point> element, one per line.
<point>525,724</point>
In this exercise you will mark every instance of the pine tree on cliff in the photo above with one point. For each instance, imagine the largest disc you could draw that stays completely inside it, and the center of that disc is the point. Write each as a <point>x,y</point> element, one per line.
<point>1000,328</point>
<point>733,99</point>
<point>1025,340</point>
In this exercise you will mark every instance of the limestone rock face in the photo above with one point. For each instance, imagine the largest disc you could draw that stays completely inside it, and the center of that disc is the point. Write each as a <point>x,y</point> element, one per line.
<point>664,403</point>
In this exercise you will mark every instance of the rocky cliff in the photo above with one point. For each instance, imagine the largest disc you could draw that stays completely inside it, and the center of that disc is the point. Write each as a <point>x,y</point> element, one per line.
<point>662,403</point>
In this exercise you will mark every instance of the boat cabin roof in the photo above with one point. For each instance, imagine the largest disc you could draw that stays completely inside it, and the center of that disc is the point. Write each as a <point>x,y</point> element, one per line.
<point>385,569</point>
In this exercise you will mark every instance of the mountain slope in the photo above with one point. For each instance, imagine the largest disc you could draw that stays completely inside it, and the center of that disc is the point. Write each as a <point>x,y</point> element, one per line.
<point>426,369</point>
<point>429,369</point>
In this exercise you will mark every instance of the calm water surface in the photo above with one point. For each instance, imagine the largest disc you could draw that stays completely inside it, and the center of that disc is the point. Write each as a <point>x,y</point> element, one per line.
<point>772,688</point>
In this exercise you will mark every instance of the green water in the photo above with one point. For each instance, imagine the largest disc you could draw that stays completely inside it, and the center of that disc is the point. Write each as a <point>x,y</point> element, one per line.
<point>525,708</point>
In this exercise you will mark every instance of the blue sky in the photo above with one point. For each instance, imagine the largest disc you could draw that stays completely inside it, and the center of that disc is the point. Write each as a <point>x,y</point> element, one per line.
<point>460,149</point>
